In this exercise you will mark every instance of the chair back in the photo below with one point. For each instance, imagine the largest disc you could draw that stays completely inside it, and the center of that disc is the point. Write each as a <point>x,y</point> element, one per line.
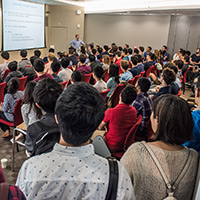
<point>63,84</point>
<point>86,77</point>
<point>28,65</point>
<point>131,81</point>
<point>131,134</point>
<point>106,76</point>
<point>116,94</point>
<point>17,113</point>
<point>2,86</point>
<point>149,70</point>
<point>6,74</point>
<point>69,83</point>
<point>185,74</point>
<point>142,73</point>
<point>104,93</point>
<point>22,82</point>
<point>179,93</point>
<point>136,80</point>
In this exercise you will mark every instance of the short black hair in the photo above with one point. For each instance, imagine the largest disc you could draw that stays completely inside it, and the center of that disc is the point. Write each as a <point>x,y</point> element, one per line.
<point>171,66</point>
<point>51,50</point>
<point>152,56</point>
<point>94,51</point>
<point>71,51</point>
<point>13,85</point>
<point>124,64</point>
<point>120,48</point>
<point>127,46</point>
<point>5,55</point>
<point>98,71</point>
<point>139,58</point>
<point>125,51</point>
<point>23,53</point>
<point>130,51</point>
<point>144,84</point>
<point>188,53</point>
<point>150,48</point>
<point>37,53</point>
<point>175,122</point>
<point>78,114</point>
<point>168,76</point>
<point>186,58</point>
<point>136,51</point>
<point>65,62</point>
<point>99,49</point>
<point>134,60</point>
<point>179,63</point>
<point>12,66</point>
<point>46,93</point>
<point>32,59</point>
<point>76,76</point>
<point>118,54</point>
<point>106,47</point>
<point>128,94</point>
<point>91,58</point>
<point>165,46</point>
<point>38,65</point>
<point>91,45</point>
<point>141,48</point>
<point>82,58</point>
<point>55,66</point>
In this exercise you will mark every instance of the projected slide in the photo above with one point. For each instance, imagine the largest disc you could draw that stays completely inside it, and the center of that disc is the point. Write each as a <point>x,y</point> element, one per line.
<point>23,25</point>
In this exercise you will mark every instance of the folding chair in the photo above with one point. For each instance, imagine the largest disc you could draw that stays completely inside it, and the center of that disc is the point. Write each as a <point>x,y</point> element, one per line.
<point>131,81</point>
<point>104,93</point>
<point>6,74</point>
<point>2,86</point>
<point>86,77</point>
<point>183,79</point>
<point>179,93</point>
<point>22,82</point>
<point>136,80</point>
<point>106,76</point>
<point>116,94</point>
<point>149,70</point>
<point>63,84</point>
<point>142,73</point>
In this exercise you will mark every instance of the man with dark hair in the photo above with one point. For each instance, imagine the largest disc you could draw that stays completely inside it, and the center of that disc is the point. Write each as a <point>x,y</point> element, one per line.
<point>143,106</point>
<point>140,65</point>
<point>72,56</point>
<point>39,69</point>
<point>93,62</point>
<point>37,53</point>
<point>134,62</point>
<point>118,59</point>
<point>150,61</point>
<point>83,68</point>
<point>98,73</point>
<point>72,170</point>
<point>126,46</point>
<point>99,53</point>
<point>76,77</point>
<point>124,54</point>
<point>164,54</point>
<point>195,58</point>
<point>45,59</point>
<point>186,60</point>
<point>5,55</point>
<point>135,52</point>
<point>65,73</point>
<point>24,61</point>
<point>105,50</point>
<point>55,67</point>
<point>45,95</point>
<point>179,64</point>
<point>130,52</point>
<point>141,51</point>
<point>77,42</point>
<point>120,119</point>
<point>148,50</point>
<point>127,75</point>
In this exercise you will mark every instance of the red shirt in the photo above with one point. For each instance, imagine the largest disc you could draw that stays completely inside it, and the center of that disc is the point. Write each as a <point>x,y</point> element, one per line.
<point>120,119</point>
<point>118,62</point>
<point>43,76</point>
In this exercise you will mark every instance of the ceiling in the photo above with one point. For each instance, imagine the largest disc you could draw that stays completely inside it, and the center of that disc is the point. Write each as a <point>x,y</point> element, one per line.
<point>133,7</point>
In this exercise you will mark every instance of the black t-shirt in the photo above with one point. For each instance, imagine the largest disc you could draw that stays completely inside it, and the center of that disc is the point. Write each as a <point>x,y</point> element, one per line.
<point>195,58</point>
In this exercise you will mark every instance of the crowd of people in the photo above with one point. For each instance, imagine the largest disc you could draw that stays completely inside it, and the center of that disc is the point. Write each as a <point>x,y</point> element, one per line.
<point>61,121</point>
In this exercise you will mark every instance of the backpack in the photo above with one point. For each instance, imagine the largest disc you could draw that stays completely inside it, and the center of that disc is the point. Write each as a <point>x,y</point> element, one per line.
<point>170,188</point>
<point>46,140</point>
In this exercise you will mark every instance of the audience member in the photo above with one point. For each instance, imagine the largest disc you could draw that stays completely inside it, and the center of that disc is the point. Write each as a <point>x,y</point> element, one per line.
<point>10,100</point>
<point>105,50</point>
<point>72,56</point>
<point>5,55</point>
<point>45,59</point>
<point>83,68</point>
<point>65,73</point>
<point>135,52</point>
<point>120,120</point>
<point>148,50</point>
<point>130,52</point>
<point>37,53</point>
<point>76,77</point>
<point>126,46</point>
<point>150,61</point>
<point>39,69</point>
<point>172,125</point>
<point>24,61</point>
<point>142,105</point>
<point>93,62</point>
<point>45,94</point>
<point>118,59</point>
<point>141,51</point>
<point>127,75</point>
<point>195,58</point>
<point>177,55</point>
<point>164,54</point>
<point>140,65</point>
<point>135,70</point>
<point>55,67</point>
<point>125,54</point>
<point>73,164</point>
<point>99,53</point>
<point>179,64</point>
<point>106,62</point>
<point>100,85</point>
<point>51,59</point>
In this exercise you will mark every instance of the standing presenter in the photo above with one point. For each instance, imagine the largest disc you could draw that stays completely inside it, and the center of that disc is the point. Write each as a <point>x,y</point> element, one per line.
<point>77,42</point>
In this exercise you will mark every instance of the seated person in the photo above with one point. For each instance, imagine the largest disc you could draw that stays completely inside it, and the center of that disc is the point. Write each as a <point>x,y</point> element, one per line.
<point>130,52</point>
<point>135,70</point>
<point>195,58</point>
<point>118,59</point>
<point>45,95</point>
<point>76,77</point>
<point>186,60</point>
<point>45,59</point>
<point>24,61</point>
<point>98,73</point>
<point>120,119</point>
<point>151,57</point>
<point>72,56</point>
<point>37,53</point>
<point>99,53</point>
<point>142,104</point>
<point>10,100</point>
<point>172,124</point>
<point>39,69</point>
<point>166,79</point>
<point>140,65</point>
<point>127,75</point>
<point>83,68</point>
<point>195,142</point>
<point>65,73</point>
<point>51,59</point>
<point>106,62</point>
<point>73,170</point>
<point>93,62</point>
<point>55,67</point>
<point>125,54</point>
<point>5,56</point>
<point>179,64</point>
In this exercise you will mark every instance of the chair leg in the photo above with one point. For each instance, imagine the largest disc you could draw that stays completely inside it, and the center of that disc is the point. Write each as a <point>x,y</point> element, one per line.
<point>13,153</point>
<point>17,147</point>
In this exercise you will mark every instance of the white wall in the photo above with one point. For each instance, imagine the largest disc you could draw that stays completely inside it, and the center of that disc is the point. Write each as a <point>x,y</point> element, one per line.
<point>133,30</point>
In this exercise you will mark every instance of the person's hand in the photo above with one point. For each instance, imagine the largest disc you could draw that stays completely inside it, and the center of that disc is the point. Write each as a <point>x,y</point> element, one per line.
<point>157,89</point>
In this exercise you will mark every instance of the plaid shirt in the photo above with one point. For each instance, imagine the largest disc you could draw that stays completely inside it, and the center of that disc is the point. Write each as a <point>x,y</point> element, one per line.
<point>15,193</point>
<point>143,106</point>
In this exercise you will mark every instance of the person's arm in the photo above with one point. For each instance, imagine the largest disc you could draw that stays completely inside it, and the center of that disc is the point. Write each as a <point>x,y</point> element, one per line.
<point>29,137</point>
<point>102,126</point>
<point>106,119</point>
<point>137,105</point>
<point>109,83</point>
<point>71,43</point>
<point>81,42</point>
<point>25,110</point>
<point>5,106</point>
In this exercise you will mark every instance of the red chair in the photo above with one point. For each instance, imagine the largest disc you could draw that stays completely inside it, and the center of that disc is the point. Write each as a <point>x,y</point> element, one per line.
<point>22,82</point>
<point>142,73</point>
<point>149,70</point>
<point>28,65</point>
<point>86,77</point>
<point>64,84</point>
<point>136,80</point>
<point>101,60</point>
<point>106,76</point>
<point>116,94</point>
<point>2,87</point>
<point>130,138</point>
<point>183,79</point>
<point>179,93</point>
<point>131,81</point>
<point>58,71</point>
<point>104,93</point>
<point>6,74</point>
<point>69,83</point>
